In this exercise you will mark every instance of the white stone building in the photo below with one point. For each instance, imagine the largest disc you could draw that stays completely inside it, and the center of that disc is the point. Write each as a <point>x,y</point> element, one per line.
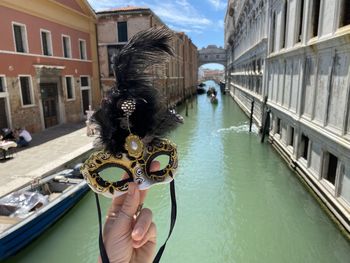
<point>246,31</point>
<point>303,49</point>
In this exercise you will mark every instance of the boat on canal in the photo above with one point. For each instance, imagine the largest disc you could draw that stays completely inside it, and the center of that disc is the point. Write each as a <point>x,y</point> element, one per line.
<point>211,91</point>
<point>222,87</point>
<point>213,99</point>
<point>200,90</point>
<point>27,212</point>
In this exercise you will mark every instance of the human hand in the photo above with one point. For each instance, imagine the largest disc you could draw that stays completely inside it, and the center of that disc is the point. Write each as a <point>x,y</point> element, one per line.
<point>127,237</point>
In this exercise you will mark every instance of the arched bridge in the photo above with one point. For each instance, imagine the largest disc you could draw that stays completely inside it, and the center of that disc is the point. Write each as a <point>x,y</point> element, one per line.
<point>212,54</point>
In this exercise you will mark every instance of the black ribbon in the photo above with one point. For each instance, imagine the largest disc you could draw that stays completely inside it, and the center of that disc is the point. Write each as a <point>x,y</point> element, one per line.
<point>103,252</point>
<point>172,221</point>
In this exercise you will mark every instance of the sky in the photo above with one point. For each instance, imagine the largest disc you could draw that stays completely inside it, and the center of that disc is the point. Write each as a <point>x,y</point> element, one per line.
<point>201,20</point>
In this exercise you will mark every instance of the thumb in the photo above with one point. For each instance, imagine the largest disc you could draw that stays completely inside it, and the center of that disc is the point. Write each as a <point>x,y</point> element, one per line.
<point>130,205</point>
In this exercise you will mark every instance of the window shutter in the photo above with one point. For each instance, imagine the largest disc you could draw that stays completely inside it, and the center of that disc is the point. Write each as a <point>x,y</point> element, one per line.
<point>122,32</point>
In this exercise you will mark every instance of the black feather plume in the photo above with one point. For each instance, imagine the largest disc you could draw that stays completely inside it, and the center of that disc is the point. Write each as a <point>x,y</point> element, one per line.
<point>151,118</point>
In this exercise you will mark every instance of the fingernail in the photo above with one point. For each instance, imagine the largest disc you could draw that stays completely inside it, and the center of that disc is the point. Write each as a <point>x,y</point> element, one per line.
<point>131,189</point>
<point>137,232</point>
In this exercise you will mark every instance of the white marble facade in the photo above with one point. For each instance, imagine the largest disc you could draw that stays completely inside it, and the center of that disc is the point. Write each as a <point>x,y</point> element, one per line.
<point>299,52</point>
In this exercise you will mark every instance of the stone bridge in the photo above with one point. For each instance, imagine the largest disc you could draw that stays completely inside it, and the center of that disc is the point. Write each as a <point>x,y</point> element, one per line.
<point>212,54</point>
<point>216,79</point>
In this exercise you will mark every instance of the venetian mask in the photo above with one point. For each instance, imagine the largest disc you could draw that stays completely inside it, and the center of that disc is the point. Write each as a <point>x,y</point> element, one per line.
<point>136,163</point>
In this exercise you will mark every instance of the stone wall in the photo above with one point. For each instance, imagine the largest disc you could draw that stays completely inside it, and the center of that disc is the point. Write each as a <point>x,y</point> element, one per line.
<point>305,75</point>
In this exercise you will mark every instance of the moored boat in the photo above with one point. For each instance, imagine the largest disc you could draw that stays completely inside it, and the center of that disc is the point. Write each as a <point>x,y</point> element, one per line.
<point>211,91</point>
<point>222,87</point>
<point>26,213</point>
<point>200,90</point>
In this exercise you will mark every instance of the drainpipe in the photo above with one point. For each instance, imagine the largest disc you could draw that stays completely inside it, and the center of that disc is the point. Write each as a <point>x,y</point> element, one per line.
<point>184,62</point>
<point>98,62</point>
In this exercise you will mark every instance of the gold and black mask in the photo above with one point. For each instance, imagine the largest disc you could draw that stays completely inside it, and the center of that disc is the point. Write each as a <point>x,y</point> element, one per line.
<point>136,163</point>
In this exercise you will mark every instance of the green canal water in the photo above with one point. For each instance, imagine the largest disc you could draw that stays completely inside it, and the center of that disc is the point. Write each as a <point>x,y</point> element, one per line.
<point>237,202</point>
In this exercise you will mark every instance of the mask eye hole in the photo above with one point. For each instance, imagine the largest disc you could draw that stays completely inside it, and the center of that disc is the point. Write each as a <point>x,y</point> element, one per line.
<point>163,161</point>
<point>113,174</point>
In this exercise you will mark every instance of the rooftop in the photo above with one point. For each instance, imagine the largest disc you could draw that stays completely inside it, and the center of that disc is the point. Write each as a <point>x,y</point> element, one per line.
<point>123,9</point>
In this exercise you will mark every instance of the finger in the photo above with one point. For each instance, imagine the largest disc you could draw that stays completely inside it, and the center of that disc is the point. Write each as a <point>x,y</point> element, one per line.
<point>118,201</point>
<point>130,205</point>
<point>142,224</point>
<point>155,165</point>
<point>150,236</point>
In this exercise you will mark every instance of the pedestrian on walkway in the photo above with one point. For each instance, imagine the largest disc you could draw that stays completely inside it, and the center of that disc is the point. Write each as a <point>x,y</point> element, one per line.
<point>23,137</point>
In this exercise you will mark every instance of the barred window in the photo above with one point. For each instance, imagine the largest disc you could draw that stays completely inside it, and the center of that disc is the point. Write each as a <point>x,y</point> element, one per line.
<point>46,43</point>
<point>70,88</point>
<point>20,35</point>
<point>315,17</point>
<point>345,13</point>
<point>26,91</point>
<point>67,53</point>
<point>82,49</point>
<point>331,164</point>
<point>2,84</point>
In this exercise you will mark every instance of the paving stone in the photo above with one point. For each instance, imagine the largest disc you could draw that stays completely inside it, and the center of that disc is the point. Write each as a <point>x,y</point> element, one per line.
<point>49,150</point>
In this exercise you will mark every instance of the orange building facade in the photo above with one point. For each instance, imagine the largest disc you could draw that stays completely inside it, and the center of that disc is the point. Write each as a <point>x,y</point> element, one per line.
<point>49,71</point>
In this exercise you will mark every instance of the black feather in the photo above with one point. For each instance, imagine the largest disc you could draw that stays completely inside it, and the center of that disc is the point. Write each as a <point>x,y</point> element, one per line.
<point>151,117</point>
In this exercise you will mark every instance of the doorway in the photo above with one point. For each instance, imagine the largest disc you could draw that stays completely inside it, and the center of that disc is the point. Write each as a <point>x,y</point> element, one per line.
<point>3,115</point>
<point>85,94</point>
<point>49,98</point>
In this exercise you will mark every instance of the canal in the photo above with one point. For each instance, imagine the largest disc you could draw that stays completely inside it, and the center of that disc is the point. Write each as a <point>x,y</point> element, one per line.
<point>237,202</point>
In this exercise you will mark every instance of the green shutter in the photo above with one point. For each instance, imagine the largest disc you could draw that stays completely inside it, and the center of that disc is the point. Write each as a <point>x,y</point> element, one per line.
<point>122,32</point>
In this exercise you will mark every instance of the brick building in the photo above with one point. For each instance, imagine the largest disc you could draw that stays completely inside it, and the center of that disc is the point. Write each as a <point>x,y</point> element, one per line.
<point>176,78</point>
<point>48,62</point>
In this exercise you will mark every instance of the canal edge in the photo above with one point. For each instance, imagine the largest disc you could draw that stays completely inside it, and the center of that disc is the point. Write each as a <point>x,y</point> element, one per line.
<point>302,178</point>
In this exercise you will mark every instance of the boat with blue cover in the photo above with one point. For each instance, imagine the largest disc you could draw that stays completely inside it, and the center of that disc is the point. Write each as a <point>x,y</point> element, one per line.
<point>28,212</point>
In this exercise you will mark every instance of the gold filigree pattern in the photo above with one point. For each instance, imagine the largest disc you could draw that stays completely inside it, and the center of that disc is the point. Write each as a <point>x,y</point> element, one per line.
<point>137,167</point>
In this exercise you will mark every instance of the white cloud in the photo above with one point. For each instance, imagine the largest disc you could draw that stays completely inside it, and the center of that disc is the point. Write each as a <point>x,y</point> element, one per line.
<point>179,13</point>
<point>218,4</point>
<point>169,13</point>
<point>182,15</point>
<point>185,30</point>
